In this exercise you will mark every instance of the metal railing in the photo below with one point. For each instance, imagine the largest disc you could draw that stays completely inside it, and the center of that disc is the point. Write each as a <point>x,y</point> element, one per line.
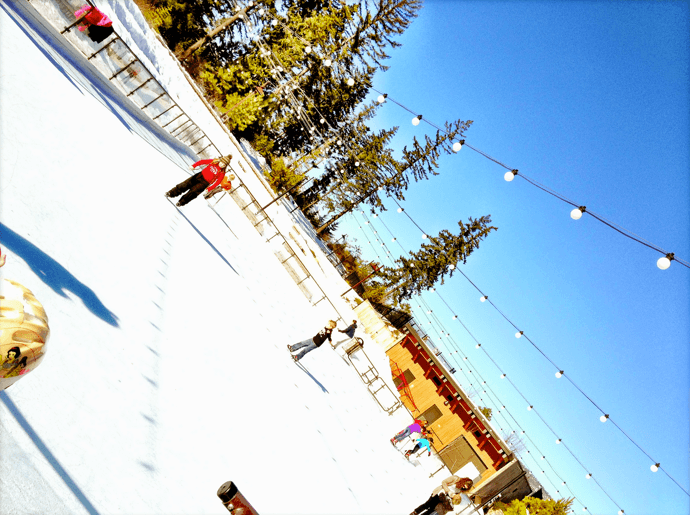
<point>115,60</point>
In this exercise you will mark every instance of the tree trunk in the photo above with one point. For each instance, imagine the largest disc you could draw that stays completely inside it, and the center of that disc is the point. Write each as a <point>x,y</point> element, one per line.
<point>208,37</point>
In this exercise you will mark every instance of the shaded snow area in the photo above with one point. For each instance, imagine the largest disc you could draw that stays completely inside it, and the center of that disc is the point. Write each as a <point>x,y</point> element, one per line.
<point>166,373</point>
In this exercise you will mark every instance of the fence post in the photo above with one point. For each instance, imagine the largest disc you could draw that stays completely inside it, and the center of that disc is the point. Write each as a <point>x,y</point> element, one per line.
<point>234,501</point>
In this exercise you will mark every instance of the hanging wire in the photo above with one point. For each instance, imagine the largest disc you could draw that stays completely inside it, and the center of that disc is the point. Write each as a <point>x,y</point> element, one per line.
<point>615,227</point>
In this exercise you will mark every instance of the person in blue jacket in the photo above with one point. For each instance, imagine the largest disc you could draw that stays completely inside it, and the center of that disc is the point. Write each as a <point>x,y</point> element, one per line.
<point>421,442</point>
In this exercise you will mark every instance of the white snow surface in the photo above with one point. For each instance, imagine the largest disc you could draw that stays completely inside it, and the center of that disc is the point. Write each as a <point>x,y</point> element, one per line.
<point>166,372</point>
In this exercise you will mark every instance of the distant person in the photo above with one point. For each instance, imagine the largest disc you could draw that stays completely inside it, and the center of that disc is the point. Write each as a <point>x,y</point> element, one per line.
<point>451,489</point>
<point>349,331</point>
<point>96,24</point>
<point>209,177</point>
<point>313,342</point>
<point>416,427</point>
<point>421,442</point>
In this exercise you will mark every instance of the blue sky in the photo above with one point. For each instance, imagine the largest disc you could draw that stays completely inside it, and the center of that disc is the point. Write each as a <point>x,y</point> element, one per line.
<point>591,100</point>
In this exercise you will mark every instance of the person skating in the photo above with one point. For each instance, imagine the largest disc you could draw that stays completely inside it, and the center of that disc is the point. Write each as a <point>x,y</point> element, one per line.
<point>209,177</point>
<point>452,488</point>
<point>349,331</point>
<point>314,342</point>
<point>416,427</point>
<point>421,442</point>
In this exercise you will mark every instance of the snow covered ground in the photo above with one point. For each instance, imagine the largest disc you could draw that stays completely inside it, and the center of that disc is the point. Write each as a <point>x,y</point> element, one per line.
<point>166,372</point>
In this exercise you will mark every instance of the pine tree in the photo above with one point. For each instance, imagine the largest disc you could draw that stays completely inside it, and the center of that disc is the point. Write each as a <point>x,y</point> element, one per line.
<point>421,270</point>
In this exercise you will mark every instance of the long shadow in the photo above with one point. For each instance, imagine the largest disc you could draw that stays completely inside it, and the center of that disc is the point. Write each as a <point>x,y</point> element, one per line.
<point>12,407</point>
<point>54,274</point>
<point>205,238</point>
<point>304,369</point>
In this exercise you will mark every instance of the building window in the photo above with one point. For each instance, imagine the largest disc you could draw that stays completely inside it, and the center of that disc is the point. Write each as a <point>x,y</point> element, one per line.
<point>409,377</point>
<point>436,381</point>
<point>431,415</point>
<point>450,398</point>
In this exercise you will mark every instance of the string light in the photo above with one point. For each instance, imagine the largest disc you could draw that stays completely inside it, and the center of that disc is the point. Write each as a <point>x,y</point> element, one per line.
<point>603,418</point>
<point>424,236</point>
<point>559,374</point>
<point>530,407</point>
<point>400,210</point>
<point>558,441</point>
<point>664,262</point>
<point>350,81</point>
<point>509,176</point>
<point>503,376</point>
<point>308,50</point>
<point>484,298</point>
<point>327,63</point>
<point>382,98</point>
<point>458,145</point>
<point>655,467</point>
<point>416,120</point>
<point>588,476</point>
<point>519,334</point>
<point>576,213</point>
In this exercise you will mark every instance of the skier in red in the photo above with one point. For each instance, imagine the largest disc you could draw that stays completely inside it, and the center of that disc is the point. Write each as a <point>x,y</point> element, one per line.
<point>210,177</point>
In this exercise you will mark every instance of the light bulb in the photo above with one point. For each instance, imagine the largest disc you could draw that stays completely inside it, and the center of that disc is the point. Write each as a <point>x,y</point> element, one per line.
<point>411,265</point>
<point>509,176</point>
<point>478,345</point>
<point>424,236</point>
<point>451,266</point>
<point>655,467</point>
<point>308,50</point>
<point>621,512</point>
<point>432,290</point>
<point>543,457</point>
<point>455,317</point>
<point>416,120</point>
<point>559,374</point>
<point>604,418</point>
<point>664,262</point>
<point>382,98</point>
<point>393,239</point>
<point>274,22</point>
<point>400,210</point>
<point>519,334</point>
<point>327,62</point>
<point>558,441</point>
<point>503,376</point>
<point>588,476</point>
<point>483,299</point>
<point>356,163</point>
<point>576,213</point>
<point>350,81</point>
<point>261,12</point>
<point>457,146</point>
<point>529,408</point>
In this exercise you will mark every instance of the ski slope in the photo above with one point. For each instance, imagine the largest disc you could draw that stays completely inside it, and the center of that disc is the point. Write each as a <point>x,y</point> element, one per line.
<point>166,372</point>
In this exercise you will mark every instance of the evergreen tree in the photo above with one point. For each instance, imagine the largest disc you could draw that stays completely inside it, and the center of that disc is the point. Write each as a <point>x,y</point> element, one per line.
<point>423,269</point>
<point>535,506</point>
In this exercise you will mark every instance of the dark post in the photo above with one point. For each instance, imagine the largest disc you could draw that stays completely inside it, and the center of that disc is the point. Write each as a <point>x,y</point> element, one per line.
<point>234,501</point>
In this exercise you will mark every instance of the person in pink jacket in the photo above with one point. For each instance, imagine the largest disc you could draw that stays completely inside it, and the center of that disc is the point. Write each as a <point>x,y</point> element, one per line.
<point>209,177</point>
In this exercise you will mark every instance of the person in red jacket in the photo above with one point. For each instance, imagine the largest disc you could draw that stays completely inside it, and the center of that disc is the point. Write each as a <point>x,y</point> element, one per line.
<point>209,177</point>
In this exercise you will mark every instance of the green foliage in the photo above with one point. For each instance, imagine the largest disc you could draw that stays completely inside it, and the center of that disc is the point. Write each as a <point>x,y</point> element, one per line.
<point>535,506</point>
<point>282,177</point>
<point>486,412</point>
<point>423,269</point>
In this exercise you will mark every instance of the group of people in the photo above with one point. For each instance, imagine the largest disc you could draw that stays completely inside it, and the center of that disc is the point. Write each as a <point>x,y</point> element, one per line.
<point>422,441</point>
<point>447,498</point>
<point>444,499</point>
<point>212,178</point>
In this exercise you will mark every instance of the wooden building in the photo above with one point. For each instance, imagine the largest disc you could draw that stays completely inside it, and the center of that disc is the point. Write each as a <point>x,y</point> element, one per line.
<point>463,437</point>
